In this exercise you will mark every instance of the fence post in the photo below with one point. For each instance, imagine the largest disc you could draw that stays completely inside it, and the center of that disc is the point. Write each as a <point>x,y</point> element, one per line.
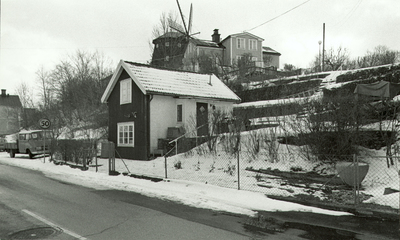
<point>355,180</point>
<point>238,169</point>
<point>165,165</point>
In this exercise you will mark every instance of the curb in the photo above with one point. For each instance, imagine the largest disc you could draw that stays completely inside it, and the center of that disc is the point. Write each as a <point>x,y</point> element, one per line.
<point>358,211</point>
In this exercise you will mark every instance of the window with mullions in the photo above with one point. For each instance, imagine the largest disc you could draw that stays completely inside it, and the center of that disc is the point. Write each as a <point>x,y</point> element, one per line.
<point>125,134</point>
<point>125,91</point>
<point>240,43</point>
<point>253,44</point>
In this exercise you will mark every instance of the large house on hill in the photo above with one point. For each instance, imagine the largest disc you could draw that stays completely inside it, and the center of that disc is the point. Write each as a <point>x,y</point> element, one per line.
<point>175,50</point>
<point>10,113</point>
<point>146,102</point>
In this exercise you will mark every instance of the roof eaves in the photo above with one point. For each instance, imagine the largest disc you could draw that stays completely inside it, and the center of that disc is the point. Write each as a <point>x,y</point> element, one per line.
<point>193,96</point>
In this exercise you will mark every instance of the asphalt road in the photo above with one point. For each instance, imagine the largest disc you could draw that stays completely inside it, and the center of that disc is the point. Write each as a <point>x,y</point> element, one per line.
<point>33,206</point>
<point>29,201</point>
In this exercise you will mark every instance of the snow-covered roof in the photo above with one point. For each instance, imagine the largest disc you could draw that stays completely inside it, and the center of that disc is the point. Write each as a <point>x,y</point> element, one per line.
<point>157,81</point>
<point>270,50</point>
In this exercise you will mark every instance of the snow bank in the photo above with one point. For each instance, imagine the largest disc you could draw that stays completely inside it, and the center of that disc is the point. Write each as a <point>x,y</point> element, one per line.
<point>194,194</point>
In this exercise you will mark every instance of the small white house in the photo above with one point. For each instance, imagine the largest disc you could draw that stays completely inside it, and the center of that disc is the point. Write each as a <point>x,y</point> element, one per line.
<point>144,102</point>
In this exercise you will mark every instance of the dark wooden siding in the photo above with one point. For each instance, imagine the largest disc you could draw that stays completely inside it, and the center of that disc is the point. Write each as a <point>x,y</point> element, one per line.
<point>123,113</point>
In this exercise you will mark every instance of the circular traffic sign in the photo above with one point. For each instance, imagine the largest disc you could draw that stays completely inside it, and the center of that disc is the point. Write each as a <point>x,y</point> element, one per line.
<point>44,123</point>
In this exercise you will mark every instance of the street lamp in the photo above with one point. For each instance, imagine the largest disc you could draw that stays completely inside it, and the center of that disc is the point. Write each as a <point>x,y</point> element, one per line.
<point>319,55</point>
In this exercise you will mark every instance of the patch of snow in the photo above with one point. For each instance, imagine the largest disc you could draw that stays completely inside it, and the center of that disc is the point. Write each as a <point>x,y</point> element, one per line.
<point>195,194</point>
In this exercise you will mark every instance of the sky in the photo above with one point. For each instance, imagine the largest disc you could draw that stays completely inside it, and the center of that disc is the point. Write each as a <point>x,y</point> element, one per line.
<point>42,33</point>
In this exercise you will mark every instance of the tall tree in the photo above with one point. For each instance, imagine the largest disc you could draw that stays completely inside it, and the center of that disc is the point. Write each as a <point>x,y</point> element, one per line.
<point>25,93</point>
<point>381,55</point>
<point>335,58</point>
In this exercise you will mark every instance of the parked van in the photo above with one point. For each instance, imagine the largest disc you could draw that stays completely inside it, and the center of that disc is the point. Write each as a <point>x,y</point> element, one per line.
<point>33,143</point>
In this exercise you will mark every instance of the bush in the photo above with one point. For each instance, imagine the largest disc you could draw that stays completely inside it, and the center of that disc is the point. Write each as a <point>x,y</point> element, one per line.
<point>76,151</point>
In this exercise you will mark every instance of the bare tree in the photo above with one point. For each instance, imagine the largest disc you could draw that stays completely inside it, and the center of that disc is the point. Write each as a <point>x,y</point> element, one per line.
<point>335,58</point>
<point>70,93</point>
<point>45,89</point>
<point>25,94</point>
<point>380,56</point>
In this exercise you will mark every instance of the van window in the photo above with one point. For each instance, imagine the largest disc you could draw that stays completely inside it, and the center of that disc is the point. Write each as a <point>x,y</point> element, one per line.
<point>35,136</point>
<point>22,136</point>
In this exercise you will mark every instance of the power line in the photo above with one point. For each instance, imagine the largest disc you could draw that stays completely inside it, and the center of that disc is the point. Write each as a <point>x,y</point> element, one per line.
<point>279,15</point>
<point>348,15</point>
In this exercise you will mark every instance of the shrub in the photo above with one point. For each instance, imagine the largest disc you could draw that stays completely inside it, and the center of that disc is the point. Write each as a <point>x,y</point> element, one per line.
<point>76,151</point>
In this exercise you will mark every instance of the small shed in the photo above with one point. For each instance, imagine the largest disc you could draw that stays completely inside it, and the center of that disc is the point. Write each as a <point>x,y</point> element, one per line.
<point>146,104</point>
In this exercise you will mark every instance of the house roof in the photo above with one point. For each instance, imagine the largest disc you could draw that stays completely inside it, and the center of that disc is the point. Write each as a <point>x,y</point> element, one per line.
<point>151,80</point>
<point>270,51</point>
<point>243,34</point>
<point>10,101</point>
<point>170,35</point>
<point>205,43</point>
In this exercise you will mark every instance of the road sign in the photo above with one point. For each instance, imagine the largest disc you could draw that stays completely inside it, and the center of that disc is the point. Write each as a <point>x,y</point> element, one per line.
<point>44,123</point>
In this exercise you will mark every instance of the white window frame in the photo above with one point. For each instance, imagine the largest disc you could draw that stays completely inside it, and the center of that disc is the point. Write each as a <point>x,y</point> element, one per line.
<point>254,59</point>
<point>125,91</point>
<point>240,43</point>
<point>252,44</point>
<point>126,134</point>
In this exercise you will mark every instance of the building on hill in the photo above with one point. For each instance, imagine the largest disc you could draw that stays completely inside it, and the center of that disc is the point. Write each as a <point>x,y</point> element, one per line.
<point>169,50</point>
<point>146,102</point>
<point>10,112</point>
<point>240,44</point>
<point>177,51</point>
<point>270,57</point>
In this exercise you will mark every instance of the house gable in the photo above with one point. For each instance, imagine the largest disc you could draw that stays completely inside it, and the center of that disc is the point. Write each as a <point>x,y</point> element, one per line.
<point>114,79</point>
<point>234,51</point>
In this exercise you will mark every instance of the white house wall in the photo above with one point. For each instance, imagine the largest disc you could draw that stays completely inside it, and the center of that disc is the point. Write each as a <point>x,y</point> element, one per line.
<point>163,114</point>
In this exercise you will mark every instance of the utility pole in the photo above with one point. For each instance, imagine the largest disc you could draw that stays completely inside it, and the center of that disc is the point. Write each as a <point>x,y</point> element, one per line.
<point>323,47</point>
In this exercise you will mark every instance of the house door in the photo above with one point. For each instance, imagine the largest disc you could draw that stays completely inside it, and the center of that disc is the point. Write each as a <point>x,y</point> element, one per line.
<point>202,118</point>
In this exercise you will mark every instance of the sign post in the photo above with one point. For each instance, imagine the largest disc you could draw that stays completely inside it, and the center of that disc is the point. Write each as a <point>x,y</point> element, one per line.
<point>44,124</point>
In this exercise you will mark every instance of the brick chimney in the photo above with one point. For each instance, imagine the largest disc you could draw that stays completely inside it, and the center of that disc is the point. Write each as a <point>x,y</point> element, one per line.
<point>3,92</point>
<point>216,37</point>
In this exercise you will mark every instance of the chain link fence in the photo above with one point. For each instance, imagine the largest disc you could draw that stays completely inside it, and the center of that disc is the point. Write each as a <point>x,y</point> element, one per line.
<point>348,180</point>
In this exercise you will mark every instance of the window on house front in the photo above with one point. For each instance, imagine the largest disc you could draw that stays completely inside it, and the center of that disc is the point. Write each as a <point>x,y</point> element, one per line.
<point>254,59</point>
<point>125,134</point>
<point>125,91</point>
<point>253,44</point>
<point>179,113</point>
<point>240,43</point>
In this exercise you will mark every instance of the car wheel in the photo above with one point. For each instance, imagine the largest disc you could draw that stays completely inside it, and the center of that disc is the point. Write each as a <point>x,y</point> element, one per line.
<point>12,153</point>
<point>30,154</point>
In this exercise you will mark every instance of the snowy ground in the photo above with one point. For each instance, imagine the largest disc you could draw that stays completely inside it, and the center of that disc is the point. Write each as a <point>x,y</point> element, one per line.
<point>183,191</point>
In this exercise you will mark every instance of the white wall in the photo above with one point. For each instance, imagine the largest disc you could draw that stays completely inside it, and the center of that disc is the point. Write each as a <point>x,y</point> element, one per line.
<point>163,114</point>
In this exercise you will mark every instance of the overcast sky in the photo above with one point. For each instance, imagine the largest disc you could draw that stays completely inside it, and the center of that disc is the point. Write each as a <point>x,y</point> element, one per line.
<point>37,33</point>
